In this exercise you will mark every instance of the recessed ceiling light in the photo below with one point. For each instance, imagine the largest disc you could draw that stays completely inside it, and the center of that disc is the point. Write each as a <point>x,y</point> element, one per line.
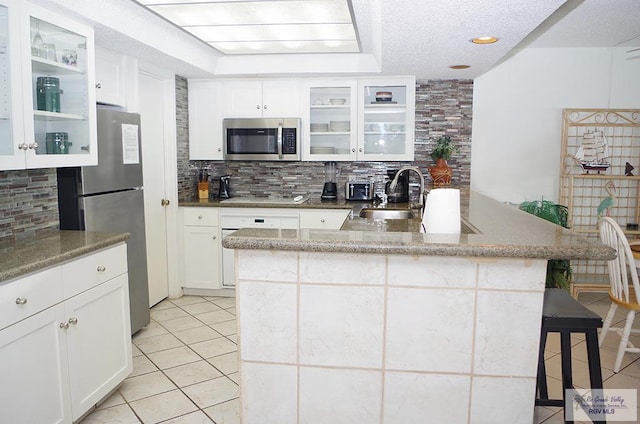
<point>484,40</point>
<point>459,66</point>
<point>265,26</point>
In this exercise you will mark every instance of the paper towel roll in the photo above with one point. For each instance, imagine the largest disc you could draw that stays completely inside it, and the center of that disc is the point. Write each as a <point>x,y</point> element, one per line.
<point>442,212</point>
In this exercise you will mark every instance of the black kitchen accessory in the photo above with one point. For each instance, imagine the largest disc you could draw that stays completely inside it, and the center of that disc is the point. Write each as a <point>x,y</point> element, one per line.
<point>401,192</point>
<point>330,189</point>
<point>223,191</point>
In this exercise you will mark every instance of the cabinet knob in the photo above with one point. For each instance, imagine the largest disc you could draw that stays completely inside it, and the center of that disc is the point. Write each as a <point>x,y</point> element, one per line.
<point>322,220</point>
<point>101,268</point>
<point>257,106</point>
<point>353,150</point>
<point>64,325</point>
<point>165,202</point>
<point>23,146</point>
<point>33,146</point>
<point>264,107</point>
<point>199,216</point>
<point>360,150</point>
<point>98,85</point>
<point>21,301</point>
<point>73,320</point>
<point>219,149</point>
<point>215,237</point>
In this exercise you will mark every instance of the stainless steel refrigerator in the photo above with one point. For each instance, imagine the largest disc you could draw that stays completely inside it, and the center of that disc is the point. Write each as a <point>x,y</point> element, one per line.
<point>109,197</point>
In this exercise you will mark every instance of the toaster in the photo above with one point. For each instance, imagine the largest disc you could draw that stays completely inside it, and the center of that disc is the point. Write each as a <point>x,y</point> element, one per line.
<point>358,191</point>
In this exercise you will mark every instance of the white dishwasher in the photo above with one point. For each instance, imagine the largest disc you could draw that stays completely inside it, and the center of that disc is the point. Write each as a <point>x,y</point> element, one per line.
<point>233,219</point>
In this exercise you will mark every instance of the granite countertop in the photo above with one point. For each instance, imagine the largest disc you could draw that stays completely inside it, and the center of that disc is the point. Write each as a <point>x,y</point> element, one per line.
<point>273,202</point>
<point>25,256</point>
<point>493,229</point>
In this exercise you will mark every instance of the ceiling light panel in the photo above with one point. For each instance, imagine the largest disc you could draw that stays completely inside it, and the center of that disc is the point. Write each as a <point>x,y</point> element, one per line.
<point>319,25</point>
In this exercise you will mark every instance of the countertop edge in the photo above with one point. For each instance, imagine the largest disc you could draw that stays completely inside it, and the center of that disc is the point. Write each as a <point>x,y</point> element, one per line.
<point>78,247</point>
<point>428,249</point>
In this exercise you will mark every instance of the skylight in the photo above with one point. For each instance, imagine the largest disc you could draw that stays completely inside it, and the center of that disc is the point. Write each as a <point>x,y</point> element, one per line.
<point>264,26</point>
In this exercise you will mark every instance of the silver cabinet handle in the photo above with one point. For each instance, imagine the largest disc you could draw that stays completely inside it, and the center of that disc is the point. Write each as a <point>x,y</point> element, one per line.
<point>219,149</point>
<point>73,320</point>
<point>64,325</point>
<point>200,217</point>
<point>21,301</point>
<point>257,106</point>
<point>322,220</point>
<point>23,146</point>
<point>98,85</point>
<point>33,146</point>
<point>353,150</point>
<point>264,107</point>
<point>215,237</point>
<point>101,268</point>
<point>360,150</point>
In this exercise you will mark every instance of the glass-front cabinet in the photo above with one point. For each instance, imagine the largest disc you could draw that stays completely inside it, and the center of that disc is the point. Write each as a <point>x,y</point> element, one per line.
<point>47,97</point>
<point>387,112</point>
<point>331,121</point>
<point>359,119</point>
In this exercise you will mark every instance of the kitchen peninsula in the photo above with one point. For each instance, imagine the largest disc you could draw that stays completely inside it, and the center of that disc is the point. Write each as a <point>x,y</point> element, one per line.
<point>369,325</point>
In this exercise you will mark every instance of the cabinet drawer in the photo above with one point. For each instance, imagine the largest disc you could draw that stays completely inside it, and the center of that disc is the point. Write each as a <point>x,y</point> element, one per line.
<point>207,217</point>
<point>29,295</point>
<point>93,269</point>
<point>327,219</point>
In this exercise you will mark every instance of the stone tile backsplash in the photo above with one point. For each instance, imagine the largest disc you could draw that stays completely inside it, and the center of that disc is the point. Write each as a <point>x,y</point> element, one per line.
<point>443,107</point>
<point>28,203</point>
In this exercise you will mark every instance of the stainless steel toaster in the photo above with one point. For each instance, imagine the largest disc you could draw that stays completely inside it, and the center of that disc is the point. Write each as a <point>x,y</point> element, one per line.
<point>358,191</point>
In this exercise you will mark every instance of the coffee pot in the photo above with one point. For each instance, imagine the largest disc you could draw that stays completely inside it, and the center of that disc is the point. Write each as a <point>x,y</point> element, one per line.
<point>224,191</point>
<point>401,193</point>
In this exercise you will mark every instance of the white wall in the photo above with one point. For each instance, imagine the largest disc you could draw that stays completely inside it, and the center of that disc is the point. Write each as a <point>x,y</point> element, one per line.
<point>517,114</point>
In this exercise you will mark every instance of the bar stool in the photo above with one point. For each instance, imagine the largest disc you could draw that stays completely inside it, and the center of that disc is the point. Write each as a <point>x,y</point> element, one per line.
<point>563,314</point>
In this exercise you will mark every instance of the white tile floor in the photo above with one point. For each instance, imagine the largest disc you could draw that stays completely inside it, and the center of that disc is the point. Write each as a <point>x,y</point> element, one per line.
<point>185,368</point>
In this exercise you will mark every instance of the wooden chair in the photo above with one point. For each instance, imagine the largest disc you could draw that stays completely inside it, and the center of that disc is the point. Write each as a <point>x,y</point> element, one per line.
<point>622,292</point>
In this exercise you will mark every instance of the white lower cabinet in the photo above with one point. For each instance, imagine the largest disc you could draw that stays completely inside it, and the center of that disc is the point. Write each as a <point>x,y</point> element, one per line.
<point>34,369</point>
<point>62,359</point>
<point>201,236</point>
<point>99,342</point>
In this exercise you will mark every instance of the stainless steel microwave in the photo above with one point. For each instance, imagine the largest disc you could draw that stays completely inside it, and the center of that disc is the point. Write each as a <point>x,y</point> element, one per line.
<point>276,139</point>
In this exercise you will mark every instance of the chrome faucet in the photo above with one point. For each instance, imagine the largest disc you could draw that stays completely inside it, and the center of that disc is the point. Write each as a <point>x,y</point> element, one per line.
<point>415,169</point>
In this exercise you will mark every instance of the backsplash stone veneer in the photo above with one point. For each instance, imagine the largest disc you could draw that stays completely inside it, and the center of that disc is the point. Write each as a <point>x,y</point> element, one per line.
<point>442,107</point>
<point>28,203</point>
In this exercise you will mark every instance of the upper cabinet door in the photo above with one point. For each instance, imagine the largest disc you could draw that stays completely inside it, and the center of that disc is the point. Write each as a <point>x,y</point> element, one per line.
<point>261,99</point>
<point>330,120</point>
<point>12,138</point>
<point>48,79</point>
<point>387,119</point>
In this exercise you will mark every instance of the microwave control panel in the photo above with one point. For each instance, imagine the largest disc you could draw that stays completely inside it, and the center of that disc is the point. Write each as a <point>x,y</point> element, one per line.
<point>289,143</point>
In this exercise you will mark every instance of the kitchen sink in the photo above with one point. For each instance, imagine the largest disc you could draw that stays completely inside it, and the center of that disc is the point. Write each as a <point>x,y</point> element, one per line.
<point>386,213</point>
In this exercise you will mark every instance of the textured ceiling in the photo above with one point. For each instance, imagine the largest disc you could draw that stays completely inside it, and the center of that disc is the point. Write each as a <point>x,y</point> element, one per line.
<point>402,37</point>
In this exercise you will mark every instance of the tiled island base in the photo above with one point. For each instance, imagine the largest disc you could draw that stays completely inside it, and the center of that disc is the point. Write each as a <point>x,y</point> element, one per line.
<point>367,339</point>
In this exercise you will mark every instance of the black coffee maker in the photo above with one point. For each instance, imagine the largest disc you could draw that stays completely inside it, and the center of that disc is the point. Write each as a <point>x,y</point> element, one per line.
<point>223,190</point>
<point>401,193</point>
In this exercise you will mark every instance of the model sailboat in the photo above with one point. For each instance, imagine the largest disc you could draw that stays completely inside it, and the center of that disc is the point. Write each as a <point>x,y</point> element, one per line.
<point>593,153</point>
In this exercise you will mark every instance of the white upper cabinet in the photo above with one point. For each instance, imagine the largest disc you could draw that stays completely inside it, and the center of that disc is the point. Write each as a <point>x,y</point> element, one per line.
<point>261,99</point>
<point>330,120</point>
<point>47,98</point>
<point>387,119</point>
<point>205,120</point>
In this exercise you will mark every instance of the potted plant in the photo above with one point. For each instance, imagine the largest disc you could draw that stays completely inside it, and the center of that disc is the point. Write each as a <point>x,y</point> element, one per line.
<point>442,151</point>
